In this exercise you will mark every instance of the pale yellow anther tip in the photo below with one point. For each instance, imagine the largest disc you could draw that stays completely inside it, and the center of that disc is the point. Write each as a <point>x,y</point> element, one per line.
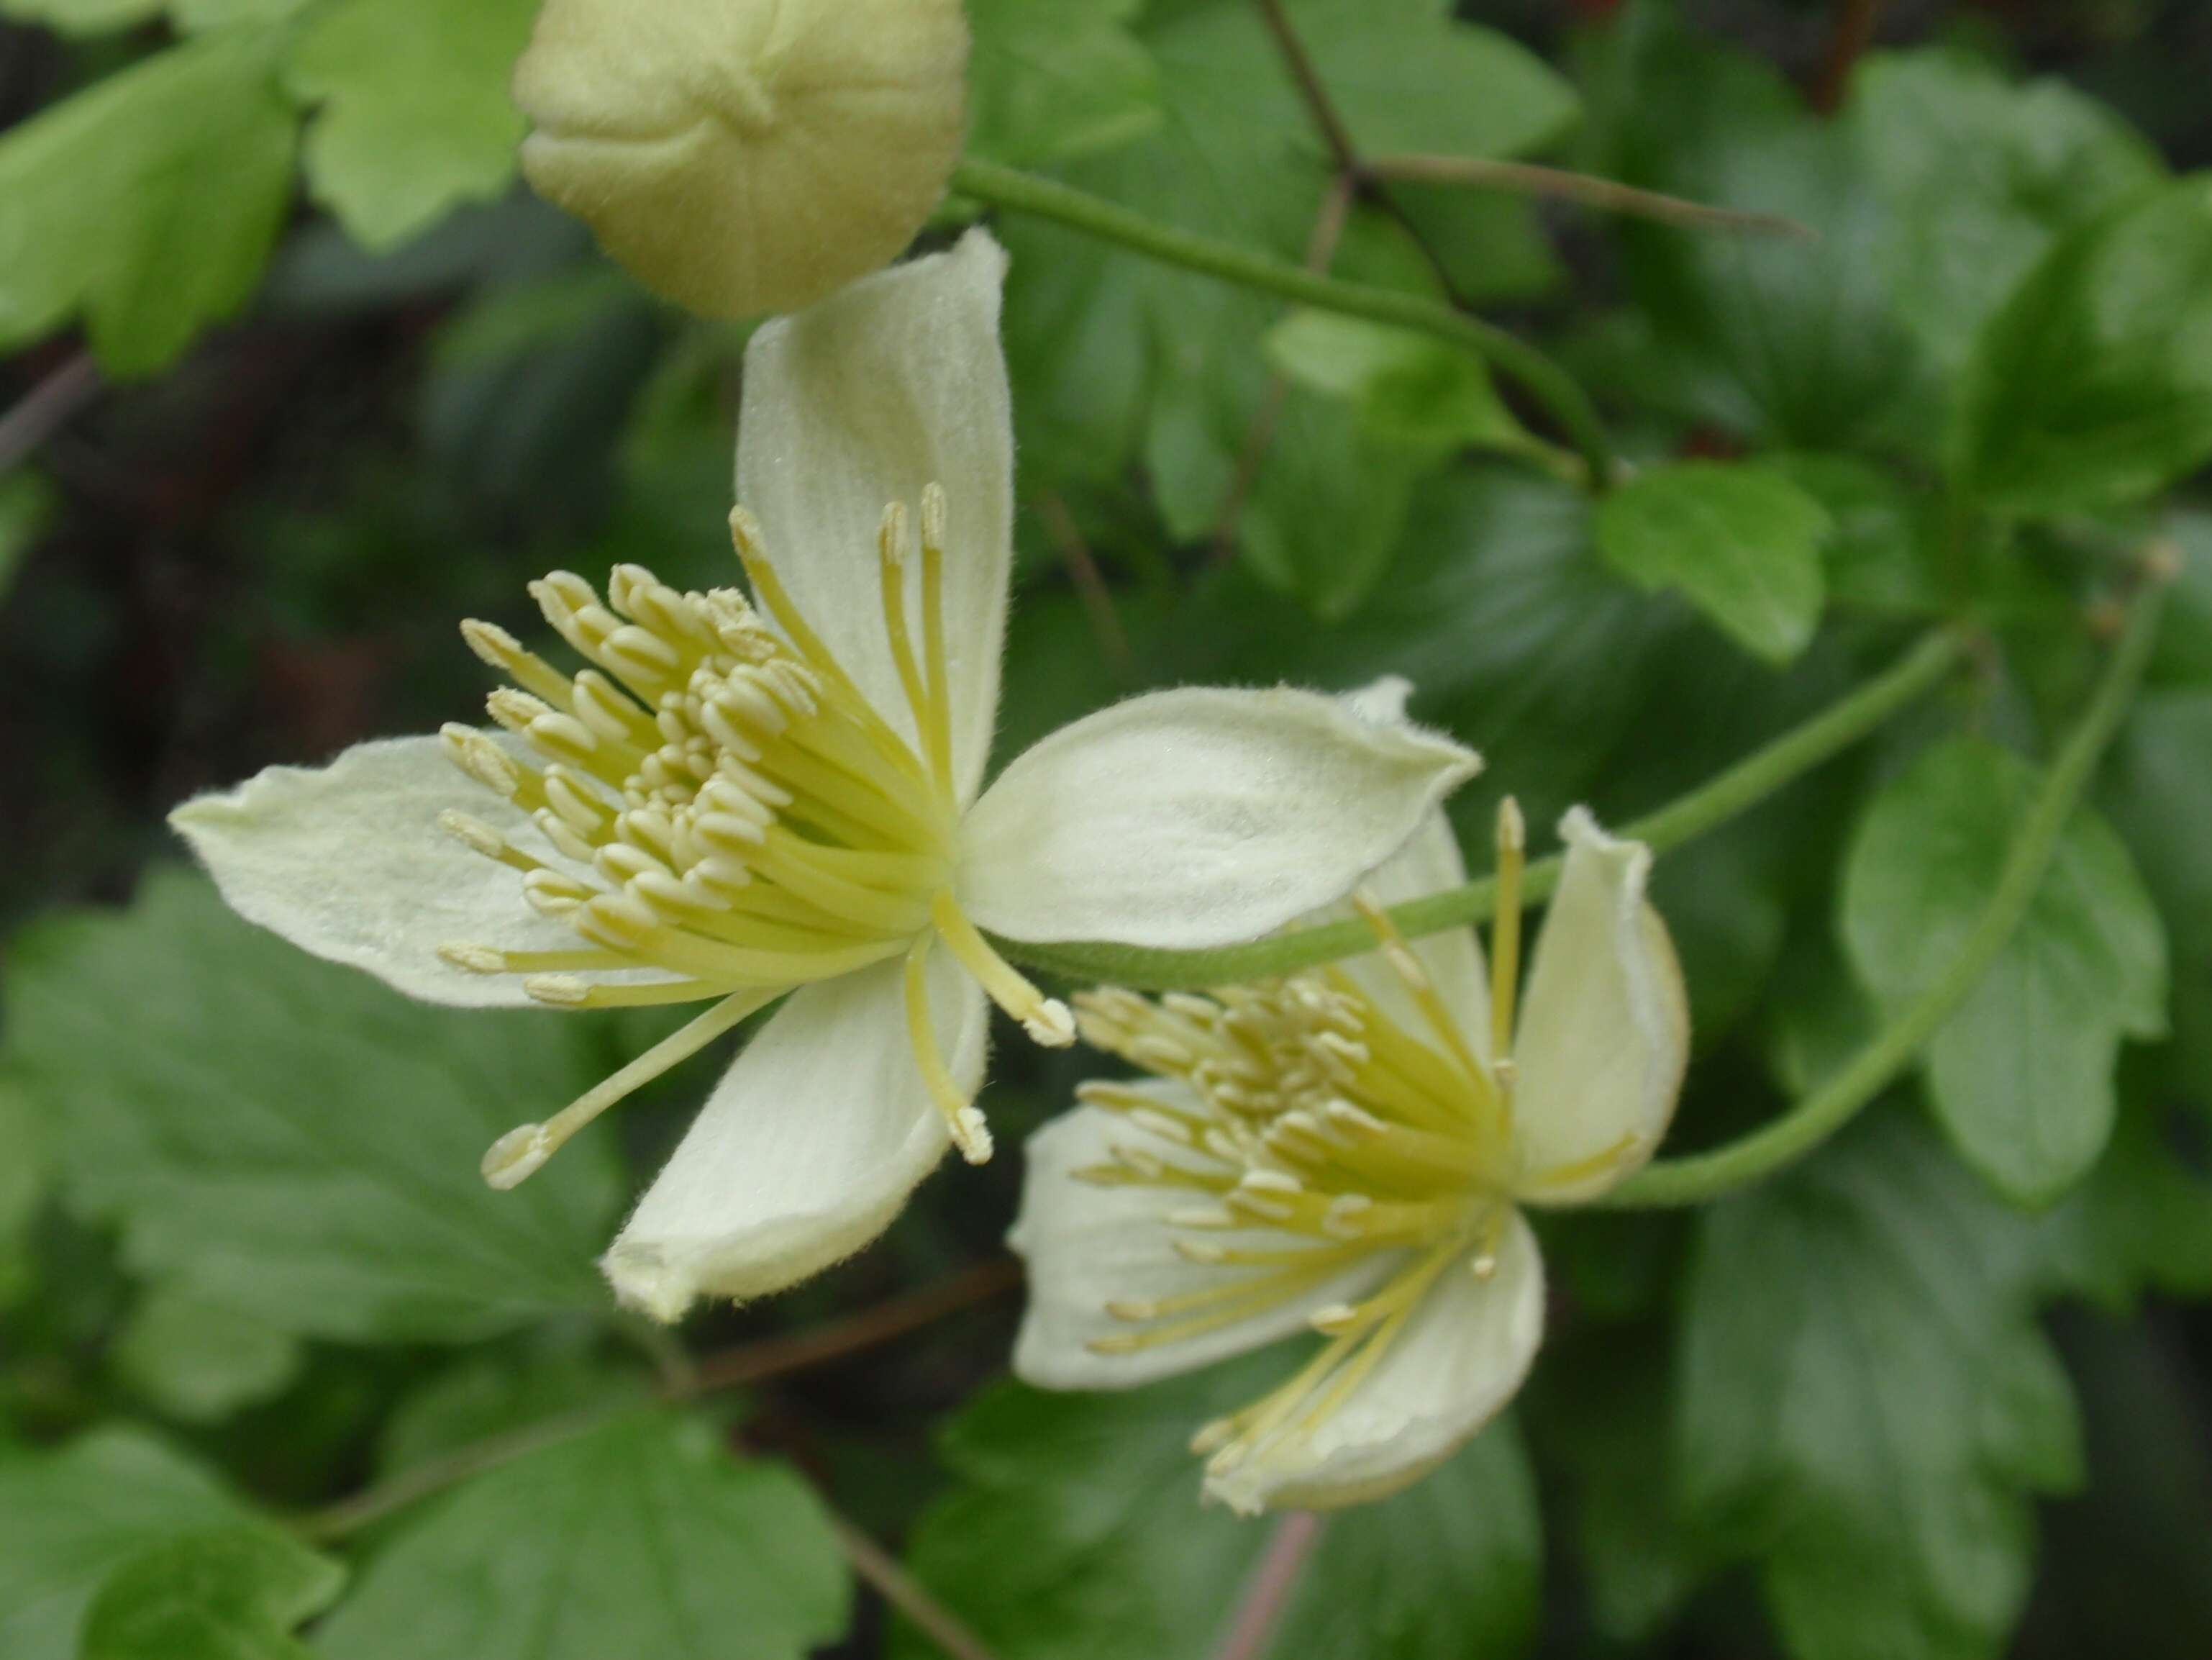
<point>890,535</point>
<point>472,959</point>
<point>472,831</point>
<point>1050,1024</point>
<point>972,1135</point>
<point>1332,1319</point>
<point>1484,1267</point>
<point>489,641</point>
<point>516,1156</point>
<point>1211,1436</point>
<point>560,990</point>
<point>1131,1308</point>
<point>745,532</point>
<point>1512,828</point>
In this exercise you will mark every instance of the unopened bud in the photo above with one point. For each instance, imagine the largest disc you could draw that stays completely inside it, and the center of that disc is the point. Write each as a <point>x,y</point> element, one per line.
<point>746,155</point>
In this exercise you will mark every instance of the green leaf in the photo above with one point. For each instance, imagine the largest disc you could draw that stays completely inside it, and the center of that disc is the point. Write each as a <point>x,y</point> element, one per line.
<point>26,1174</point>
<point>415,116</point>
<point>148,204</point>
<point>642,1537</point>
<point>2093,386</point>
<point>293,1140</point>
<point>1112,354</point>
<point>69,1519</point>
<point>2142,1223</point>
<point>231,1593</point>
<point>197,15</point>
<point>1600,1412</point>
<point>1877,556</point>
<point>83,16</point>
<point>1073,1530</point>
<point>2021,1076</point>
<point>1407,77</point>
<point>2159,790</point>
<point>199,1361</point>
<point>1326,512</point>
<point>1050,79</point>
<point>1980,176</point>
<point>1740,542</point>
<point>2183,653</point>
<point>1865,1403</point>
<point>1788,342</point>
<point>1407,388</point>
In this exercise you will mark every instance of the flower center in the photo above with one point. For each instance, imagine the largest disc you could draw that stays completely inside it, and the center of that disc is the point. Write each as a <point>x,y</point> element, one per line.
<point>1323,1120</point>
<point>735,819</point>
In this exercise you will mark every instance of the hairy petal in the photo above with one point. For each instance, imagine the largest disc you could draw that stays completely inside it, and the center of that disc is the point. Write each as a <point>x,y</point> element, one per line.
<point>1461,1358</point>
<point>1184,819</point>
<point>896,382</point>
<point>348,862</point>
<point>1604,1033</point>
<point>806,1150</point>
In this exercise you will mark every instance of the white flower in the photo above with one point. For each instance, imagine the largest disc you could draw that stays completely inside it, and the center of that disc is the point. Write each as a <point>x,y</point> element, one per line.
<point>732,803</point>
<point>746,155</point>
<point>1346,1152</point>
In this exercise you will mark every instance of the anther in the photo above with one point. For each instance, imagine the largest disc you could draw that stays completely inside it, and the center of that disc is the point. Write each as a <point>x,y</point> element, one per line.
<point>482,759</point>
<point>517,1155</point>
<point>473,959</point>
<point>560,990</point>
<point>473,833</point>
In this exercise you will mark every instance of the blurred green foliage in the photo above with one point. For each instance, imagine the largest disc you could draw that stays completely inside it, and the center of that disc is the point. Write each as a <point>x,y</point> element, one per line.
<point>302,377</point>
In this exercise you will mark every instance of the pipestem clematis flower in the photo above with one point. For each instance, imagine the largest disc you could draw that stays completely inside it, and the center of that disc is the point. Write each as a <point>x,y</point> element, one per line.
<point>742,798</point>
<point>1346,1151</point>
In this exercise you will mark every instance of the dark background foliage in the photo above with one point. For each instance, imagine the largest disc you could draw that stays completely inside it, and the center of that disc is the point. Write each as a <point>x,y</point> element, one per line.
<point>1928,1396</point>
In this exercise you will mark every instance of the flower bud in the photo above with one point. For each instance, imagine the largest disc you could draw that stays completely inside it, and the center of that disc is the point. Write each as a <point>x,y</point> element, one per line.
<point>746,155</point>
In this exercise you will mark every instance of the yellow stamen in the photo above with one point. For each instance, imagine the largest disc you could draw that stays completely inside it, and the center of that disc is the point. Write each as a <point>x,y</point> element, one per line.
<point>521,1151</point>
<point>970,1133</point>
<point>937,731</point>
<point>1045,1018</point>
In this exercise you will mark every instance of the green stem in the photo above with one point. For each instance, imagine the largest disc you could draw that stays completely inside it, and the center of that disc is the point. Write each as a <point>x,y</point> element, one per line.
<point>1704,1176</point>
<point>1743,785</point>
<point>1537,375</point>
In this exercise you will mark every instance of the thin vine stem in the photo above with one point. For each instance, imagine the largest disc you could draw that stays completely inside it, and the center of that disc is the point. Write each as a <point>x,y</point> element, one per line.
<point>1742,787</point>
<point>1701,1176</point>
<point>1544,381</point>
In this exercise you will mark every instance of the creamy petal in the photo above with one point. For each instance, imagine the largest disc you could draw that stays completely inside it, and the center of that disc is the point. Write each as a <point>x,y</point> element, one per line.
<point>896,382</point>
<point>1429,863</point>
<point>1189,818</point>
<point>348,862</point>
<point>1086,1245</point>
<point>1604,1032</point>
<point>1460,1358</point>
<point>806,1150</point>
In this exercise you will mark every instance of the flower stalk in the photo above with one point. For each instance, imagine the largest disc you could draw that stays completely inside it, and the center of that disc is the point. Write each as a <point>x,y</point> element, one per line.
<point>1701,1176</point>
<point>1714,803</point>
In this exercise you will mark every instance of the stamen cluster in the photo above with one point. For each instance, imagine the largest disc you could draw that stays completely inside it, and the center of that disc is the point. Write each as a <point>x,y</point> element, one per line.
<point>1359,1154</point>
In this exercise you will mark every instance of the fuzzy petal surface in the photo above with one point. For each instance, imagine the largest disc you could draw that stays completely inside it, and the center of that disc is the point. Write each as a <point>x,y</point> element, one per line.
<point>1461,1358</point>
<point>348,862</point>
<point>896,382</point>
<point>1604,1033</point>
<point>806,1150</point>
<point>1196,817</point>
